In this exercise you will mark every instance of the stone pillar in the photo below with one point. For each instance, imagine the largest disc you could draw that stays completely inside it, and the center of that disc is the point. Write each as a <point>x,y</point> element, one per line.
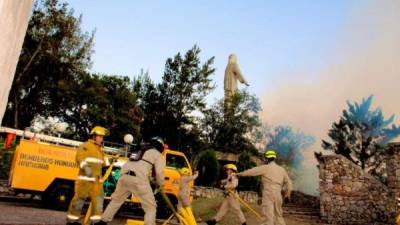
<point>349,195</point>
<point>14,17</point>
<point>393,173</point>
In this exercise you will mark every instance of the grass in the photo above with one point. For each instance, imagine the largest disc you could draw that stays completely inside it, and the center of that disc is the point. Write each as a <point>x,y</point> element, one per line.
<point>207,208</point>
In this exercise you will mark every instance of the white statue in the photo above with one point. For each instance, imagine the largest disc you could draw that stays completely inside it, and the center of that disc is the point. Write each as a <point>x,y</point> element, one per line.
<point>232,75</point>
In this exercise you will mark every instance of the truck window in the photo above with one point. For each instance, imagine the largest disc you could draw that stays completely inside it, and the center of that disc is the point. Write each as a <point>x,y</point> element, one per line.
<point>176,161</point>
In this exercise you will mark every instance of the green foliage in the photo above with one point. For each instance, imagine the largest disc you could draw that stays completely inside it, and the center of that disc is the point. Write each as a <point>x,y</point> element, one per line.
<point>208,167</point>
<point>361,135</point>
<point>91,100</point>
<point>247,183</point>
<point>168,107</point>
<point>6,157</point>
<point>233,129</point>
<point>5,166</point>
<point>55,49</point>
<point>52,79</point>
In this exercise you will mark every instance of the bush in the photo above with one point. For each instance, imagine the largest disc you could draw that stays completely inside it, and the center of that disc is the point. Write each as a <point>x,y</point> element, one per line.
<point>247,183</point>
<point>208,168</point>
<point>5,162</point>
<point>6,157</point>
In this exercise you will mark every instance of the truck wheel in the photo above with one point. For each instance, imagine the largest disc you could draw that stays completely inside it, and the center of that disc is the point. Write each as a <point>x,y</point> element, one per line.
<point>163,211</point>
<point>58,196</point>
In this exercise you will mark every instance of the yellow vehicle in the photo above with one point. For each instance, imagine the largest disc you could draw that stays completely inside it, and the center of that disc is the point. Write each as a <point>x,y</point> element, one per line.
<point>50,169</point>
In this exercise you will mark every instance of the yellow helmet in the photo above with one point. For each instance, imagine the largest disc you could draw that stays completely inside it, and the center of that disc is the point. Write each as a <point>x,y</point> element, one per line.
<point>270,154</point>
<point>184,171</point>
<point>101,131</point>
<point>231,166</point>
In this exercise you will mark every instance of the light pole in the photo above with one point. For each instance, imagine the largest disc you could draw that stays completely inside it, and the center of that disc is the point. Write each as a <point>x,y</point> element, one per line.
<point>128,139</point>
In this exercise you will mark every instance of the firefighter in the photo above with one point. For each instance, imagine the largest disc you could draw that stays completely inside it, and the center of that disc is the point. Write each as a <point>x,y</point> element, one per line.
<point>274,180</point>
<point>184,189</point>
<point>135,180</point>
<point>90,159</point>
<point>230,183</point>
<point>184,193</point>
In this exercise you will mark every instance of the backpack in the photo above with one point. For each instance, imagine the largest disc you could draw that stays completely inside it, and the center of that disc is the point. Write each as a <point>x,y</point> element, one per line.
<point>137,154</point>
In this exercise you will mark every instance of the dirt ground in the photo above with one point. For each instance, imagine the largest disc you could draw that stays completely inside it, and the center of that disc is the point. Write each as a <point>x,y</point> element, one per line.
<point>207,208</point>
<point>28,213</point>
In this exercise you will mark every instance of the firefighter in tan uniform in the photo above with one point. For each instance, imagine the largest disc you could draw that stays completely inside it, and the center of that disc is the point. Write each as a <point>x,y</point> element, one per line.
<point>184,187</point>
<point>184,193</point>
<point>135,180</point>
<point>230,183</point>
<point>90,159</point>
<point>274,180</point>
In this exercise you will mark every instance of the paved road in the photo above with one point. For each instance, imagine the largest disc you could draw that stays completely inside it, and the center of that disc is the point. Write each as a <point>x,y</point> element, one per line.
<point>33,214</point>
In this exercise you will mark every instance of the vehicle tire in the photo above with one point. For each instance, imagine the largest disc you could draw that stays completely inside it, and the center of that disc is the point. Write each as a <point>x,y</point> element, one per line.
<point>58,196</point>
<point>163,211</point>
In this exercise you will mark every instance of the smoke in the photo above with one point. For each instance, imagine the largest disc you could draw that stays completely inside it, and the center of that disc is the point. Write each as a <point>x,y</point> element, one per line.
<point>366,62</point>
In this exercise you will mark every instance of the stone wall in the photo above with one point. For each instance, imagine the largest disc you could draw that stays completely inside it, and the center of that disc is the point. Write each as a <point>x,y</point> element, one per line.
<point>298,198</point>
<point>348,195</point>
<point>14,16</point>
<point>208,192</point>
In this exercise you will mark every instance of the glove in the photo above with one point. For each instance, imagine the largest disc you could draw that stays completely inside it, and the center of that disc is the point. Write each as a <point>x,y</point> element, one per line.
<point>287,195</point>
<point>113,159</point>
<point>88,171</point>
<point>398,219</point>
<point>158,189</point>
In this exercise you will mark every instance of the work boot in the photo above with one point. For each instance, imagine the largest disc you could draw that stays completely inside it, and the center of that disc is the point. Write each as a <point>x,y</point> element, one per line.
<point>211,222</point>
<point>101,222</point>
<point>74,223</point>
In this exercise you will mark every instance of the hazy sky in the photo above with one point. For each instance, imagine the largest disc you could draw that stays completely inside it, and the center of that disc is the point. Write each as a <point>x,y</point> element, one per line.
<point>271,38</point>
<point>303,59</point>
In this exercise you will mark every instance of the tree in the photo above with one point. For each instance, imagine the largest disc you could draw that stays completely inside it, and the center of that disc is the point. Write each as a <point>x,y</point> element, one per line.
<point>235,128</point>
<point>208,168</point>
<point>55,49</point>
<point>361,135</point>
<point>247,183</point>
<point>169,107</point>
<point>289,144</point>
<point>94,99</point>
<point>150,104</point>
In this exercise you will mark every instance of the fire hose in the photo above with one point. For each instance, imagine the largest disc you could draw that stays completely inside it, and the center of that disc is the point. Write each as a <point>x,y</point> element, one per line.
<point>245,204</point>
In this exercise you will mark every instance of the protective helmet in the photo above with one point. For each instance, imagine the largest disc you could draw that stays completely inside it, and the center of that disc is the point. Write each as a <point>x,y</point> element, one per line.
<point>157,143</point>
<point>231,166</point>
<point>270,154</point>
<point>184,171</point>
<point>98,130</point>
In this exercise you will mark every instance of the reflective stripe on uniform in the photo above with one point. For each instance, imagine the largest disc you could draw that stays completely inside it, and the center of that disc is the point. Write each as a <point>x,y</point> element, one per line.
<point>83,164</point>
<point>93,160</point>
<point>96,217</point>
<point>86,178</point>
<point>72,217</point>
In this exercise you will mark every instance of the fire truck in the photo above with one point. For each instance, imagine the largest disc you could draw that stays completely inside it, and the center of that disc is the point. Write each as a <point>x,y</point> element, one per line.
<point>45,165</point>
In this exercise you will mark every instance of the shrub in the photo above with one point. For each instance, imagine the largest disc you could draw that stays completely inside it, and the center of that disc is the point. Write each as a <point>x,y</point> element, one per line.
<point>208,168</point>
<point>247,183</point>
